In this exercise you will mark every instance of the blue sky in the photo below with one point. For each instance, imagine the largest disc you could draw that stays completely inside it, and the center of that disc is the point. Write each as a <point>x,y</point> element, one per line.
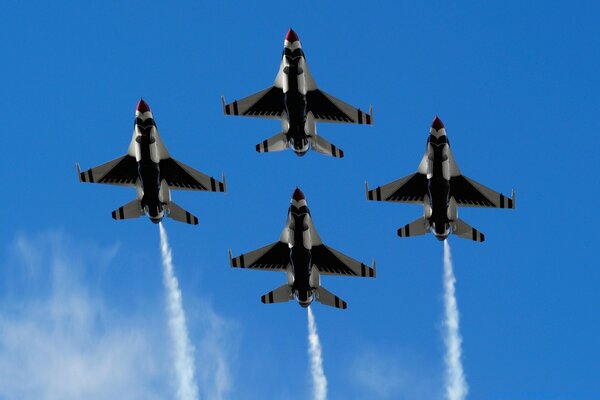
<point>516,86</point>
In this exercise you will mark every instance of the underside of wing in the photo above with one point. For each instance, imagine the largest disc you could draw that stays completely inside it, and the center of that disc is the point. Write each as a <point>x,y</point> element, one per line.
<point>264,104</point>
<point>120,171</point>
<point>181,176</point>
<point>332,262</point>
<point>327,108</point>
<point>410,189</point>
<point>469,193</point>
<point>273,257</point>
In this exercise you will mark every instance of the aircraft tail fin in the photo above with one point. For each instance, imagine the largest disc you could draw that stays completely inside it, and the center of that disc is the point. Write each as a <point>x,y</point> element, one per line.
<point>329,299</point>
<point>320,145</point>
<point>420,226</point>
<point>278,142</point>
<point>465,231</point>
<point>279,295</point>
<point>179,214</point>
<point>133,209</point>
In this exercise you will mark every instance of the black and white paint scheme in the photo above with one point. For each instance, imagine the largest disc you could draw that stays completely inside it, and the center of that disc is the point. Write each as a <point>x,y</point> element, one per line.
<point>149,168</point>
<point>303,257</point>
<point>441,188</point>
<point>295,99</point>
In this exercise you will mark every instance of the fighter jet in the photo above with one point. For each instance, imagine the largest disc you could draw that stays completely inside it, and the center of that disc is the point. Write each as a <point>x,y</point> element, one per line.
<point>149,168</point>
<point>295,99</point>
<point>441,188</point>
<point>303,257</point>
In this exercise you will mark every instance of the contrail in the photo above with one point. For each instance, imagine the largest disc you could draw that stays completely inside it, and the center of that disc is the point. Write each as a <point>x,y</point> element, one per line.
<point>456,384</point>
<point>316,360</point>
<point>187,388</point>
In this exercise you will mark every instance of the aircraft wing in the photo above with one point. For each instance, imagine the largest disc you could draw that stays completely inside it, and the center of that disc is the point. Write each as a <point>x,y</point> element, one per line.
<point>410,189</point>
<point>120,171</point>
<point>272,257</point>
<point>469,193</point>
<point>181,176</point>
<point>331,262</point>
<point>327,108</point>
<point>267,103</point>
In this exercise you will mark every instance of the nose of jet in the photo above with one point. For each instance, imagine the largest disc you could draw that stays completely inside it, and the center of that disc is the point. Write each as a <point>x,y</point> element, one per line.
<point>142,106</point>
<point>291,36</point>
<point>298,195</point>
<point>437,124</point>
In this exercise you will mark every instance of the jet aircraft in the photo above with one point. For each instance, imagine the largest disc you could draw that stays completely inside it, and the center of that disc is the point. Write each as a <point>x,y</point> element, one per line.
<point>439,185</point>
<point>296,100</point>
<point>301,254</point>
<point>149,168</point>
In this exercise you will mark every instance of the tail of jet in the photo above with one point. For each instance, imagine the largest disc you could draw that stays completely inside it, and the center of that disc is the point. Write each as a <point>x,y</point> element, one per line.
<point>278,142</point>
<point>279,295</point>
<point>466,231</point>
<point>179,214</point>
<point>460,228</point>
<point>320,145</point>
<point>329,299</point>
<point>420,226</point>
<point>133,209</point>
<point>284,294</point>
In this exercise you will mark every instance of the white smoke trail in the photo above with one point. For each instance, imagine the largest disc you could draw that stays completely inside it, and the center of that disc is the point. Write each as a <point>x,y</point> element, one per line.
<point>316,360</point>
<point>456,384</point>
<point>187,388</point>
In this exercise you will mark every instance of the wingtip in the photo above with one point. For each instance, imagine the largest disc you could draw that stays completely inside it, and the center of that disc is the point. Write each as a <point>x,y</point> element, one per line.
<point>230,258</point>
<point>223,104</point>
<point>514,199</point>
<point>367,189</point>
<point>224,182</point>
<point>371,112</point>
<point>374,268</point>
<point>78,171</point>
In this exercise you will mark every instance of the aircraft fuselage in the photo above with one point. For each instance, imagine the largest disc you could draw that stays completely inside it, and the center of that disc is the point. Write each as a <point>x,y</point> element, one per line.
<point>148,169</point>
<point>300,256</point>
<point>438,185</point>
<point>295,101</point>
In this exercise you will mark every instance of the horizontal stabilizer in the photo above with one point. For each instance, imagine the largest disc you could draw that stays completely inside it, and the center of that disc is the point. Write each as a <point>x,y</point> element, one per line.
<point>278,142</point>
<point>133,209</point>
<point>419,226</point>
<point>179,214</point>
<point>329,299</point>
<point>324,147</point>
<point>279,295</point>
<point>465,231</point>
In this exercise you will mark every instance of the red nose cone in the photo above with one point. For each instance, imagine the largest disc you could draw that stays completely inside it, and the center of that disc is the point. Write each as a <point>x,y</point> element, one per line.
<point>298,195</point>
<point>142,106</point>
<point>291,36</point>
<point>437,124</point>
